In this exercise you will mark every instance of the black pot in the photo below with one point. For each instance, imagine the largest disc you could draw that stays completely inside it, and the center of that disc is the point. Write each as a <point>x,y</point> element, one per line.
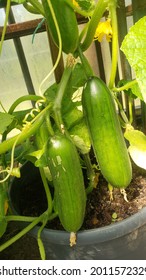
<point>125,240</point>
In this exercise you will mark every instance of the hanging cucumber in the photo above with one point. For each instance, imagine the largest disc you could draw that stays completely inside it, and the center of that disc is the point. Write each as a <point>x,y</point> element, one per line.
<point>67,23</point>
<point>106,134</point>
<point>70,198</point>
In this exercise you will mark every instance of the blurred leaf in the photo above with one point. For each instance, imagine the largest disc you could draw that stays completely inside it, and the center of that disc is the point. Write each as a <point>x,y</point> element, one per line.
<point>72,117</point>
<point>134,47</point>
<point>86,4</point>
<point>137,148</point>
<point>5,120</point>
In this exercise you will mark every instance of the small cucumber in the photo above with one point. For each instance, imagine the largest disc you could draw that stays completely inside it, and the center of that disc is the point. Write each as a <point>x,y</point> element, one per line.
<point>65,168</point>
<point>106,134</point>
<point>67,23</point>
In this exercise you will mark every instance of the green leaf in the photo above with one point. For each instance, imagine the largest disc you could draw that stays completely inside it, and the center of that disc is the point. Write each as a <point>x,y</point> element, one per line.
<point>134,47</point>
<point>137,148</point>
<point>72,117</point>
<point>80,136</point>
<point>5,121</point>
<point>86,4</point>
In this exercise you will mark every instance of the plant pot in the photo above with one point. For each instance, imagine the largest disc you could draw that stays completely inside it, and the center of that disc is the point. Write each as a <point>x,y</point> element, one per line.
<point>119,241</point>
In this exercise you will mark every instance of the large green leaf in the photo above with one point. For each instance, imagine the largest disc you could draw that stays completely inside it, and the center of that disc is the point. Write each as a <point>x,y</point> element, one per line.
<point>5,121</point>
<point>134,47</point>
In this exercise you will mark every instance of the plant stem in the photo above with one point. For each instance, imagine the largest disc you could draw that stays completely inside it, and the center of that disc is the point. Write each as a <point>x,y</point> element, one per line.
<point>49,125</point>
<point>40,243</point>
<point>22,232</point>
<point>126,86</point>
<point>19,218</point>
<point>48,3</point>
<point>90,173</point>
<point>22,99</point>
<point>96,16</point>
<point>122,111</point>
<point>47,190</point>
<point>5,24</point>
<point>130,110</point>
<point>60,93</point>
<point>87,68</point>
<point>112,8</point>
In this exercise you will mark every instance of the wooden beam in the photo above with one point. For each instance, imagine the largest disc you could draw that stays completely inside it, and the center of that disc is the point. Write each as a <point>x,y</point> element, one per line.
<point>16,30</point>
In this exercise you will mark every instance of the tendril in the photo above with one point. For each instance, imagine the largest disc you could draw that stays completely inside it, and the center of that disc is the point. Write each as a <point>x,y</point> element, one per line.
<point>26,125</point>
<point>32,114</point>
<point>60,48</point>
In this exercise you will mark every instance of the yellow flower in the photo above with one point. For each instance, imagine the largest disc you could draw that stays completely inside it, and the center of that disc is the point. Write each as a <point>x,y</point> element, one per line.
<point>103,29</point>
<point>75,3</point>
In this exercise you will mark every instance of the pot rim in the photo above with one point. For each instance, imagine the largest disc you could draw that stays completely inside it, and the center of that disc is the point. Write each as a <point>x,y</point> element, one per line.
<point>98,235</point>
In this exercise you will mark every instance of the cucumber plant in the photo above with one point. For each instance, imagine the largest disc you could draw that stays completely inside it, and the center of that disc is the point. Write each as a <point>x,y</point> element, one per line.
<point>57,134</point>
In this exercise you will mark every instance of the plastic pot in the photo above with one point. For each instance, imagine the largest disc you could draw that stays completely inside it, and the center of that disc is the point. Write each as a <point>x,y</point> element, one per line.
<point>125,240</point>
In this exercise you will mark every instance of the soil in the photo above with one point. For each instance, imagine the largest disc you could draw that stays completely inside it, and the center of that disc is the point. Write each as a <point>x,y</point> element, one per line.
<point>101,210</point>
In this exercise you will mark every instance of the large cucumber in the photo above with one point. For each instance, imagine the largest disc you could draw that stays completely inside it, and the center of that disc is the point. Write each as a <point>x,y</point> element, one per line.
<point>65,168</point>
<point>106,134</point>
<point>67,23</point>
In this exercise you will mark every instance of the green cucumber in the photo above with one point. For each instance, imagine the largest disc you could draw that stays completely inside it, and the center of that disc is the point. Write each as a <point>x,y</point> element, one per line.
<point>65,168</point>
<point>106,134</point>
<point>67,23</point>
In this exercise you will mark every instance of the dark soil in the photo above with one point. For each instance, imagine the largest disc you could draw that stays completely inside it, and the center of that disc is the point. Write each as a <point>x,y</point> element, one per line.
<point>100,211</point>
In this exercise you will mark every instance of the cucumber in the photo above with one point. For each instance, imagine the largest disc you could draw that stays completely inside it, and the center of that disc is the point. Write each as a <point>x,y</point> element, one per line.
<point>67,23</point>
<point>65,168</point>
<point>105,131</point>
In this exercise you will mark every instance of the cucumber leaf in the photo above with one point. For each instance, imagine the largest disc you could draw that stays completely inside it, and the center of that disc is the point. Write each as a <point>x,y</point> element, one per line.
<point>86,5</point>
<point>137,148</point>
<point>134,47</point>
<point>80,136</point>
<point>5,120</point>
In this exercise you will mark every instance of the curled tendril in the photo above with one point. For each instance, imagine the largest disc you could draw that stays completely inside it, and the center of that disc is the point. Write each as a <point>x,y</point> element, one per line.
<point>26,124</point>
<point>32,113</point>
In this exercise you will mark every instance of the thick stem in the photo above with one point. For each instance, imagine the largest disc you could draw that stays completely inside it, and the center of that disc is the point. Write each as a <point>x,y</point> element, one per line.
<point>47,190</point>
<point>87,68</point>
<point>112,8</point>
<point>96,16</point>
<point>60,93</point>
